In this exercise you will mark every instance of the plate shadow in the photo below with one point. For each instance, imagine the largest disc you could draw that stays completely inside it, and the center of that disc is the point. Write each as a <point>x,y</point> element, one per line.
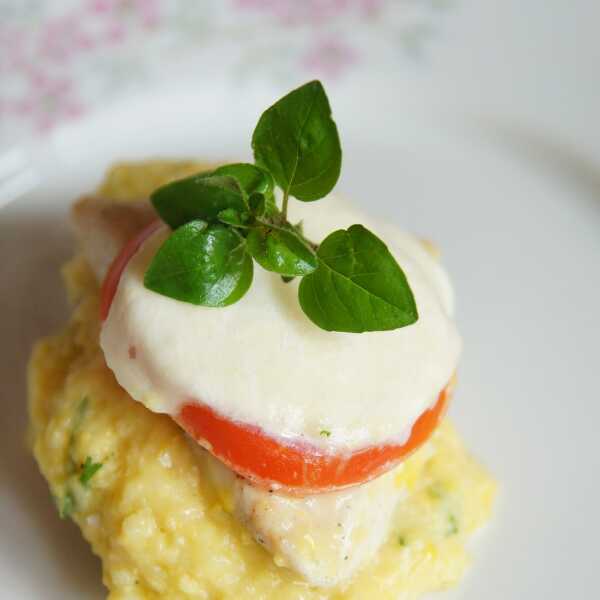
<point>33,304</point>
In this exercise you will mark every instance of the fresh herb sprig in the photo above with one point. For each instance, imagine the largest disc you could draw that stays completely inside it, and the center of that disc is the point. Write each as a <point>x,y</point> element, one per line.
<point>226,219</point>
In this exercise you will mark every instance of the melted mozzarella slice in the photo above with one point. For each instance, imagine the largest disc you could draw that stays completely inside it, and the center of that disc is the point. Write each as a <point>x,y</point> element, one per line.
<point>262,362</point>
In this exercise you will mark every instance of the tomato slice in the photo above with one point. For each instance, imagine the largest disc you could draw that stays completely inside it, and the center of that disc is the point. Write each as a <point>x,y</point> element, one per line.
<point>268,461</point>
<point>113,275</point>
<point>299,468</point>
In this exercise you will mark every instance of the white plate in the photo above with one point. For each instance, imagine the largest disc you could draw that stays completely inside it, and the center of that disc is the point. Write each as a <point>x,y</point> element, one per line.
<point>518,219</point>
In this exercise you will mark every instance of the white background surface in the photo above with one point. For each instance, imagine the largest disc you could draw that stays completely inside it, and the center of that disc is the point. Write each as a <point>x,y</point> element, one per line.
<point>493,151</point>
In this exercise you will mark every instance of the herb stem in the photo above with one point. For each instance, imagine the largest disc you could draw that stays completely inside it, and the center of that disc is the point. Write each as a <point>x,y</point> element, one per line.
<point>284,205</point>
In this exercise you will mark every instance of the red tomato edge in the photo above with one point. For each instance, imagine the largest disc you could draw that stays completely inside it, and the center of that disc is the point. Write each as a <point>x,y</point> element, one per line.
<point>115,271</point>
<point>300,469</point>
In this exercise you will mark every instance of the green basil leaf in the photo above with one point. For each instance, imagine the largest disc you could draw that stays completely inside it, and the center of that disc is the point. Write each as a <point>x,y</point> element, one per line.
<point>201,196</point>
<point>257,205</point>
<point>202,264</point>
<point>250,178</point>
<point>358,286</point>
<point>262,206</point>
<point>232,217</point>
<point>281,251</point>
<point>297,141</point>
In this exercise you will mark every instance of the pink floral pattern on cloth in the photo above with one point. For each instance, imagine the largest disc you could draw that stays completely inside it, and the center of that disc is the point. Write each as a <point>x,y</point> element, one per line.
<point>61,59</point>
<point>312,11</point>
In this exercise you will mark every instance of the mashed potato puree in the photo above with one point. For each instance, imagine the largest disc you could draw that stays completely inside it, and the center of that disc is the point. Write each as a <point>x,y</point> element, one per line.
<point>150,510</point>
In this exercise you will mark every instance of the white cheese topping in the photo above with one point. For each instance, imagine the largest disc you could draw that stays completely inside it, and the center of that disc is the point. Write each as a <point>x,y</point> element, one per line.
<point>261,361</point>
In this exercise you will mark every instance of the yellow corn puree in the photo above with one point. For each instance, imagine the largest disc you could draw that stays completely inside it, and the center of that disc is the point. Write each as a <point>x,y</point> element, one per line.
<point>142,497</point>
